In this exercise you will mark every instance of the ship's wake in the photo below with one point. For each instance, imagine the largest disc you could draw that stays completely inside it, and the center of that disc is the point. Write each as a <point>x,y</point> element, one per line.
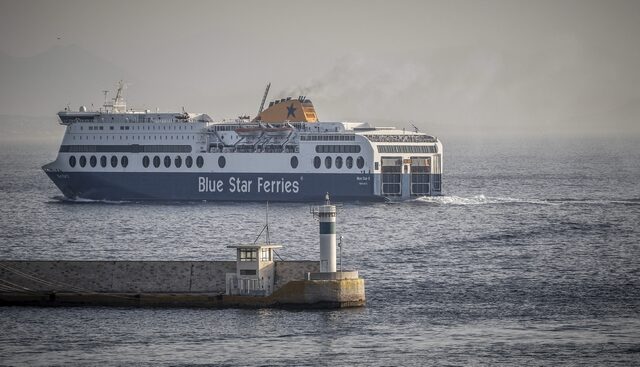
<point>482,199</point>
<point>64,199</point>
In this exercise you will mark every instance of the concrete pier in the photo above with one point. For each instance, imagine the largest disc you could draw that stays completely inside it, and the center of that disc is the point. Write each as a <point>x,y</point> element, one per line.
<point>166,284</point>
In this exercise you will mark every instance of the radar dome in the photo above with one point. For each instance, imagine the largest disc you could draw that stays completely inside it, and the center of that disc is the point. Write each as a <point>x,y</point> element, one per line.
<point>83,109</point>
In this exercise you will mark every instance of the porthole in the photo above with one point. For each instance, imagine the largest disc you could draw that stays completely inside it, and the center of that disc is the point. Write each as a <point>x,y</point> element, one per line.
<point>167,161</point>
<point>317,162</point>
<point>294,162</point>
<point>72,161</point>
<point>349,162</point>
<point>145,161</point>
<point>114,161</point>
<point>103,161</point>
<point>327,162</point>
<point>156,161</point>
<point>188,161</point>
<point>222,161</point>
<point>360,162</point>
<point>178,162</point>
<point>124,161</point>
<point>200,161</point>
<point>83,161</point>
<point>93,161</point>
<point>338,162</point>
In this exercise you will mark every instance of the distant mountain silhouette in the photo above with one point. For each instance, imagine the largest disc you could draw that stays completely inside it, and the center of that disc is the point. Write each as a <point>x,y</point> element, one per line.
<point>45,83</point>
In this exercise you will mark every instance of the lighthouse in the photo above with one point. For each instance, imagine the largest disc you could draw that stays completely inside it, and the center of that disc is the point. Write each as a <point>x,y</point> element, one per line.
<point>327,219</point>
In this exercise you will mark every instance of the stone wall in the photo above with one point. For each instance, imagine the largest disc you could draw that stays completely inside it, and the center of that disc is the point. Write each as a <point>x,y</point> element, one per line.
<point>134,276</point>
<point>287,271</point>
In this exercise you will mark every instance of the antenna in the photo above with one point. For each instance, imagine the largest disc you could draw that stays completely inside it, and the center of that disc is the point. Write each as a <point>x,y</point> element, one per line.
<point>266,227</point>
<point>264,98</point>
<point>415,127</point>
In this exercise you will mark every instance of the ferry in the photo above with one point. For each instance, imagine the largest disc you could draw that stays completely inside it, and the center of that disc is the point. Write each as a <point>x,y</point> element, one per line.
<point>283,154</point>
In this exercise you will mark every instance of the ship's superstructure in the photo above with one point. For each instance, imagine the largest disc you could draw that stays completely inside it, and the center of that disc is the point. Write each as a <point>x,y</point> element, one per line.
<point>284,154</point>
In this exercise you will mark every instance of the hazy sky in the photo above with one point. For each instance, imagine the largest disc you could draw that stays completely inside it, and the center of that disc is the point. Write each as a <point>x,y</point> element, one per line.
<point>450,67</point>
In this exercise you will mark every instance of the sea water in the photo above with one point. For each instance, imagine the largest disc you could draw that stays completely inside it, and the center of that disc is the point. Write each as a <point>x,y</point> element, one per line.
<point>532,257</point>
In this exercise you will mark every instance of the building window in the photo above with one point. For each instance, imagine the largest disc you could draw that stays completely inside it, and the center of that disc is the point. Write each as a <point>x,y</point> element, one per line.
<point>222,161</point>
<point>167,161</point>
<point>114,161</point>
<point>248,254</point>
<point>178,161</point>
<point>124,161</point>
<point>103,161</point>
<point>317,162</point>
<point>200,161</point>
<point>247,272</point>
<point>188,161</point>
<point>72,161</point>
<point>93,161</point>
<point>294,162</point>
<point>327,162</point>
<point>349,162</point>
<point>265,254</point>
<point>145,161</point>
<point>156,161</point>
<point>338,162</point>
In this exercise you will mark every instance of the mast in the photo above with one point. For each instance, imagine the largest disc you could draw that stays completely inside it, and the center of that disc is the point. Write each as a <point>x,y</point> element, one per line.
<point>264,98</point>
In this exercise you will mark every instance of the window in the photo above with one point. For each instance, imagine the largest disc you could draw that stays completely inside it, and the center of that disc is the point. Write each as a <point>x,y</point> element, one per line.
<point>317,162</point>
<point>265,254</point>
<point>188,161</point>
<point>327,162</point>
<point>103,161</point>
<point>114,161</point>
<point>93,161</point>
<point>222,161</point>
<point>72,161</point>
<point>178,161</point>
<point>337,149</point>
<point>349,162</point>
<point>294,162</point>
<point>124,161</point>
<point>156,161</point>
<point>407,149</point>
<point>248,254</point>
<point>247,272</point>
<point>338,162</point>
<point>200,161</point>
<point>360,162</point>
<point>145,161</point>
<point>83,161</point>
<point>167,161</point>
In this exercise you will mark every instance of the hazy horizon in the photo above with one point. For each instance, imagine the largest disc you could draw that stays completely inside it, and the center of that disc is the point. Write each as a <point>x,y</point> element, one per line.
<point>451,68</point>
